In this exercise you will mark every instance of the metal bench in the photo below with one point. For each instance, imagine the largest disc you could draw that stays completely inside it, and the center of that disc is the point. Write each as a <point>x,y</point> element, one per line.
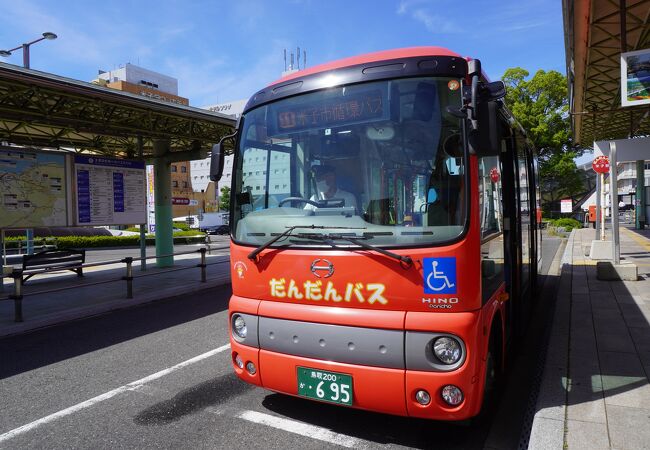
<point>53,260</point>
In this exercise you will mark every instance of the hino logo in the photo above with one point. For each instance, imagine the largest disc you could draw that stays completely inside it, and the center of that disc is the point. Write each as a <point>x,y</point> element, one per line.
<point>325,270</point>
<point>440,302</point>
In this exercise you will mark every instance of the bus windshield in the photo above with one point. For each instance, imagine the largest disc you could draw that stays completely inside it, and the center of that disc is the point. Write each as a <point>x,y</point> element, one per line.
<point>382,161</point>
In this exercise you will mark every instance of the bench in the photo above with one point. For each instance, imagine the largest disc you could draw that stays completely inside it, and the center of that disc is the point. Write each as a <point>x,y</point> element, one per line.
<point>53,260</point>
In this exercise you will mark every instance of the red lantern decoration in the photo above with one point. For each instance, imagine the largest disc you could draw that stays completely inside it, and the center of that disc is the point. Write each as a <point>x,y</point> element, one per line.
<point>494,175</point>
<point>601,164</point>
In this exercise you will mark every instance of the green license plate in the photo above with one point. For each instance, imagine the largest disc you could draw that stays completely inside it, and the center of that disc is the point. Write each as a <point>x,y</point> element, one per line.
<point>326,386</point>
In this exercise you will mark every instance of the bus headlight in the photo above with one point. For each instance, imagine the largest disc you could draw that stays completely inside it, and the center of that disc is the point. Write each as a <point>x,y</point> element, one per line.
<point>239,326</point>
<point>447,350</point>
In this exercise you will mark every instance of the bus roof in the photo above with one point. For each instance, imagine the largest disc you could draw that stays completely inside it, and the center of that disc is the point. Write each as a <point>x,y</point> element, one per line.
<point>368,58</point>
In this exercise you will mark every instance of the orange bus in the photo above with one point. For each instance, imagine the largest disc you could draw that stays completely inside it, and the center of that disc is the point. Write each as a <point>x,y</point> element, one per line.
<point>385,238</point>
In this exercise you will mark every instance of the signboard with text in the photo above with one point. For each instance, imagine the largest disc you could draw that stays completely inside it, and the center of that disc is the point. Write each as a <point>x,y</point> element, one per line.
<point>566,205</point>
<point>109,191</point>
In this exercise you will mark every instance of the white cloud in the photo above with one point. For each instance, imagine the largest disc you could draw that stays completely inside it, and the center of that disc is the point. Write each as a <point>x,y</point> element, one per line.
<point>421,11</point>
<point>213,81</point>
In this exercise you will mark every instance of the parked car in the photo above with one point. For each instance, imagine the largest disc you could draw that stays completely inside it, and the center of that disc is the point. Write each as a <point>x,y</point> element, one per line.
<point>220,229</point>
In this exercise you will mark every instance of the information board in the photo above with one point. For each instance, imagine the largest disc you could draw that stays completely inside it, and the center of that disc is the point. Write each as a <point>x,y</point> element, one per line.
<point>110,191</point>
<point>34,189</point>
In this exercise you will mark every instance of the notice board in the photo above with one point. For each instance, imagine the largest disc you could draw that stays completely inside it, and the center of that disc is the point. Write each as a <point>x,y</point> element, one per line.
<point>109,191</point>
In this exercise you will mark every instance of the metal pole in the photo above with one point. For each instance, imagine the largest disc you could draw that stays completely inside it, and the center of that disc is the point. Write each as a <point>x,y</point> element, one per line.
<point>599,194</point>
<point>613,195</point>
<point>29,234</point>
<point>17,296</point>
<point>26,56</point>
<point>129,276</point>
<point>3,258</point>
<point>202,265</point>
<point>143,227</point>
<point>639,202</point>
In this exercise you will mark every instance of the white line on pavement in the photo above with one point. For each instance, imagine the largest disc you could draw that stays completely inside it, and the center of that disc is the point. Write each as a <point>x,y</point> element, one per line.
<point>100,398</point>
<point>301,428</point>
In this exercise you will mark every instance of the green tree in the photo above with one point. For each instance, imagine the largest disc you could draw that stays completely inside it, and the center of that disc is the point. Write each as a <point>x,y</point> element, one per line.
<point>224,200</point>
<point>541,105</point>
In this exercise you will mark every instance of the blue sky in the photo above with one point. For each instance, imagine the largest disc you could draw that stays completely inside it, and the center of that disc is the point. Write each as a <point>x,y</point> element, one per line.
<point>226,50</point>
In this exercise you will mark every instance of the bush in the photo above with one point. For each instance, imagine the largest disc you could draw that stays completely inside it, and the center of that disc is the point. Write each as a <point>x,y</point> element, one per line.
<point>567,224</point>
<point>181,226</point>
<point>180,237</point>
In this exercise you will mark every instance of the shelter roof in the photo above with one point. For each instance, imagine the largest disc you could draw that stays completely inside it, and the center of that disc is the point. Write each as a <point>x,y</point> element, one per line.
<point>46,110</point>
<point>593,43</point>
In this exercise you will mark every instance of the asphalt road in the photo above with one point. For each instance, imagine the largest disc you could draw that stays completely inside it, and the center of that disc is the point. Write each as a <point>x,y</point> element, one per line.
<point>159,376</point>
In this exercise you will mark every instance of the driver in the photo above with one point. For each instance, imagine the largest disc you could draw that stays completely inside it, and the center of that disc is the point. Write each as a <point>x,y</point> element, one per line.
<point>327,188</point>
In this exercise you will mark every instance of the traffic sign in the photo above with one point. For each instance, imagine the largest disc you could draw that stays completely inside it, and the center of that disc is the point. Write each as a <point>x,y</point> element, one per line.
<point>495,175</point>
<point>180,201</point>
<point>600,164</point>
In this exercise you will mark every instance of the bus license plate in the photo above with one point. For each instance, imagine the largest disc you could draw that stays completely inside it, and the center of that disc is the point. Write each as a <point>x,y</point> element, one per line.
<point>326,386</point>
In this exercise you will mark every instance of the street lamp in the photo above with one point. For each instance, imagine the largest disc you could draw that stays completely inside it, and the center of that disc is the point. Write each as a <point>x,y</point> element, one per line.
<point>25,47</point>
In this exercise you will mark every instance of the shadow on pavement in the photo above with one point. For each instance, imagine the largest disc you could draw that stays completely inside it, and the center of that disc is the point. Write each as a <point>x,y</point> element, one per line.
<point>29,351</point>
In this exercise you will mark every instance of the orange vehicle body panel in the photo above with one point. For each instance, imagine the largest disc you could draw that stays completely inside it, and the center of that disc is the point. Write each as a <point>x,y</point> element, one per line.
<point>371,290</point>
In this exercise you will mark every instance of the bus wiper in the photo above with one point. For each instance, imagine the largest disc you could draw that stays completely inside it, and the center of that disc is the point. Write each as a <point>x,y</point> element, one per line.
<point>253,255</point>
<point>331,237</point>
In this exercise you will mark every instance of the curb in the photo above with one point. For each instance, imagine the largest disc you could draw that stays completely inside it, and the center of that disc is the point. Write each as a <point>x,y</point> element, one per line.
<point>549,422</point>
<point>110,306</point>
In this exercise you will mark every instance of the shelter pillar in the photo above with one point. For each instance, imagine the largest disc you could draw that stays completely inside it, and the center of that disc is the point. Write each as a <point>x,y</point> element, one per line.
<point>639,202</point>
<point>163,202</point>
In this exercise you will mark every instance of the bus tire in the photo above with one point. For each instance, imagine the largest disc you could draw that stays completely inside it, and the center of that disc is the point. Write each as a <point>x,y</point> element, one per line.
<point>493,372</point>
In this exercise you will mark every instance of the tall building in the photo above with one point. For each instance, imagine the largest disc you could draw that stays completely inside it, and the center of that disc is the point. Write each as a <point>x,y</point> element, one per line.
<point>141,81</point>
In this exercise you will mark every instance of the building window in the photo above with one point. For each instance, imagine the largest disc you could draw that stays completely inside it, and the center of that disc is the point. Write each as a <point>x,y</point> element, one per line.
<point>184,184</point>
<point>277,186</point>
<point>183,169</point>
<point>173,168</point>
<point>175,183</point>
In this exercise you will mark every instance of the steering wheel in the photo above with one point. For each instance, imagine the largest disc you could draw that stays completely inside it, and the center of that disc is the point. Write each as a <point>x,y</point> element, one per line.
<point>299,199</point>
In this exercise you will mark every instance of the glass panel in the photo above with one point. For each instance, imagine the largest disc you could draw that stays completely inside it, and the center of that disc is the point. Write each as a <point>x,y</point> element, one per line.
<point>492,245</point>
<point>382,160</point>
<point>524,208</point>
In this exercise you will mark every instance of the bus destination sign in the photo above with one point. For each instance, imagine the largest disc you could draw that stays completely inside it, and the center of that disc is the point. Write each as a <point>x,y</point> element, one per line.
<point>340,111</point>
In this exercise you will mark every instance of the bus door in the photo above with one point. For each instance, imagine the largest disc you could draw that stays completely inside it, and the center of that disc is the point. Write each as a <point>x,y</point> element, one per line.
<point>511,232</point>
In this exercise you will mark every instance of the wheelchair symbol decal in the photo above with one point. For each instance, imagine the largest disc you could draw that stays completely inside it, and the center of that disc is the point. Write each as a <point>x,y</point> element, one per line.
<point>439,275</point>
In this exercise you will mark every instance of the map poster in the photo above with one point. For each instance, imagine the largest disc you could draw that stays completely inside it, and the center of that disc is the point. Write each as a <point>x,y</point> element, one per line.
<point>110,191</point>
<point>33,189</point>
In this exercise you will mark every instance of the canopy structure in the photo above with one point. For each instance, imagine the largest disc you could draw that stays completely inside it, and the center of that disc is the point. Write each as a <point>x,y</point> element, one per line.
<point>43,110</point>
<point>596,33</point>
<point>46,110</point>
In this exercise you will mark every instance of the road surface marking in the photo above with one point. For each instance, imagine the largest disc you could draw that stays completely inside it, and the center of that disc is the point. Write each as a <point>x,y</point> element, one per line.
<point>301,428</point>
<point>100,398</point>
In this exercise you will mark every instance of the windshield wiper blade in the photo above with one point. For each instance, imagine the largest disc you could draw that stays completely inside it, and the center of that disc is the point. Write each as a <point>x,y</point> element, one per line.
<point>253,255</point>
<point>358,240</point>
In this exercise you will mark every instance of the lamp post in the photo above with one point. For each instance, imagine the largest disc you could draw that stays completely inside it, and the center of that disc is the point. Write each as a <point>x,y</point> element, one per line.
<point>5,53</point>
<point>25,47</point>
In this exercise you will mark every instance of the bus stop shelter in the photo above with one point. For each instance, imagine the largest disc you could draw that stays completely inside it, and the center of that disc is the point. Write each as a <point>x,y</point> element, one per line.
<point>47,111</point>
<point>597,33</point>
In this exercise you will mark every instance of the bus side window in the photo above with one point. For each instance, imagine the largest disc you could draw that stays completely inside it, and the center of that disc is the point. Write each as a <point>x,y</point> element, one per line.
<point>491,217</point>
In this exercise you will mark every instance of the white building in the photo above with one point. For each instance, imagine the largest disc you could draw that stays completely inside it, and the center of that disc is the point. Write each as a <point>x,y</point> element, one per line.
<point>200,169</point>
<point>133,74</point>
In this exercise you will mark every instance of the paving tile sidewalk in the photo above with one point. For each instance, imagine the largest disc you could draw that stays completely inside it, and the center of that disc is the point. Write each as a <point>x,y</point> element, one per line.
<point>595,391</point>
<point>62,296</point>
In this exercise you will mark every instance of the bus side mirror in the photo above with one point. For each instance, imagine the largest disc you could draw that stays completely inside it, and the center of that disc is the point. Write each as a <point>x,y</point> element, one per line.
<point>485,140</point>
<point>216,162</point>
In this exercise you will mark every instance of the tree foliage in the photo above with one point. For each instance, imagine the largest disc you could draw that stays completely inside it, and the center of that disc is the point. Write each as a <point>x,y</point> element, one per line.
<point>541,105</point>
<point>224,199</point>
